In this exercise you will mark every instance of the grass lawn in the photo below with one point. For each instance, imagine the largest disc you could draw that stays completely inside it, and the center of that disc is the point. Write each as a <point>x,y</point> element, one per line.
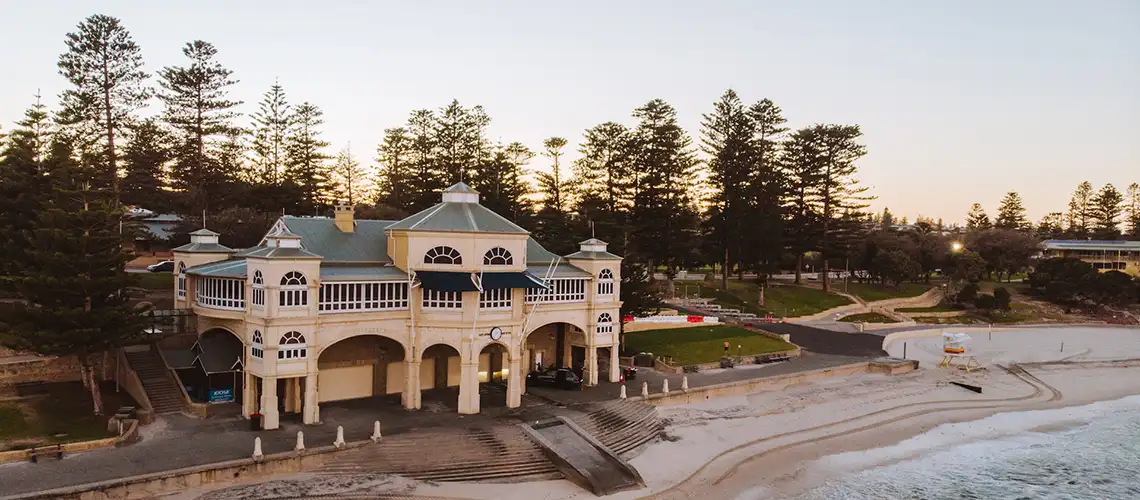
<point>952,320</point>
<point>64,415</point>
<point>932,309</point>
<point>702,344</point>
<point>867,318</point>
<point>871,292</point>
<point>156,281</point>
<point>780,300</point>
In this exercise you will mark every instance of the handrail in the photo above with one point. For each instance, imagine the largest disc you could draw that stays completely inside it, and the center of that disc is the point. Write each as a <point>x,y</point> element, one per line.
<point>173,375</point>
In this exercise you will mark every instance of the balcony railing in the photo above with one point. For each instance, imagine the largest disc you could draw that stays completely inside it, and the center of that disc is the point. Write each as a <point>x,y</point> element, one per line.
<point>561,290</point>
<point>363,296</point>
<point>221,293</point>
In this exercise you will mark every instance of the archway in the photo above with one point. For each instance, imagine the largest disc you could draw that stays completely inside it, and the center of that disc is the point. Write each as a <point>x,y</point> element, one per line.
<point>440,372</point>
<point>550,346</point>
<point>494,362</point>
<point>217,371</point>
<point>364,368</point>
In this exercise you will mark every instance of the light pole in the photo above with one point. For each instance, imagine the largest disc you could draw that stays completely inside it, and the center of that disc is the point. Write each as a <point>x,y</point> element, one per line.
<point>955,247</point>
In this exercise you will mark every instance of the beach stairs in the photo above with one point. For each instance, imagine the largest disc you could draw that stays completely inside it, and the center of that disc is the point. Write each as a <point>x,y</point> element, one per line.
<point>493,454</point>
<point>157,381</point>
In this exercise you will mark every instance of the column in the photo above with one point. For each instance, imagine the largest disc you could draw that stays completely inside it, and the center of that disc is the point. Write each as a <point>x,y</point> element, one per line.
<point>591,365</point>
<point>290,400</point>
<point>514,383</point>
<point>270,417</point>
<point>526,364</point>
<point>410,398</point>
<point>249,400</point>
<point>615,370</point>
<point>469,387</point>
<point>311,408</point>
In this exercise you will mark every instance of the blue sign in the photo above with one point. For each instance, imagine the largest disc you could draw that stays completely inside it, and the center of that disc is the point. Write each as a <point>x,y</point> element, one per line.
<point>221,395</point>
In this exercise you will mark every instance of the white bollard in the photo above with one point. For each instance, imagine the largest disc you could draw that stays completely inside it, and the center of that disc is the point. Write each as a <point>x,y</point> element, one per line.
<point>622,393</point>
<point>665,387</point>
<point>300,442</point>
<point>685,383</point>
<point>257,454</point>
<point>339,443</point>
<point>376,432</point>
<point>645,389</point>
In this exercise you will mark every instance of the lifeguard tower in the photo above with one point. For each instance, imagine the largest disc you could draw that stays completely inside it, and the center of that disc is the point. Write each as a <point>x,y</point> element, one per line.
<point>956,352</point>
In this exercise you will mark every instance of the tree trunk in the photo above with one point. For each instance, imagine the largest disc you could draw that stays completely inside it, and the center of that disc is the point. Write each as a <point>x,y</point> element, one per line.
<point>799,268</point>
<point>826,275</point>
<point>88,373</point>
<point>724,271</point>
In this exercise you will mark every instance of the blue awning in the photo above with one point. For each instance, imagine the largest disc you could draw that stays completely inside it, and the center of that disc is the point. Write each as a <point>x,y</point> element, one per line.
<point>447,282</point>
<point>522,279</point>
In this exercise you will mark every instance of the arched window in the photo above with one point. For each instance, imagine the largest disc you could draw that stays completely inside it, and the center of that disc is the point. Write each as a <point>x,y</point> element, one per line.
<point>443,255</point>
<point>292,346</point>
<point>605,324</point>
<point>606,282</point>
<point>256,349</point>
<point>182,280</point>
<point>294,292</point>
<point>498,256</point>
<point>258,290</point>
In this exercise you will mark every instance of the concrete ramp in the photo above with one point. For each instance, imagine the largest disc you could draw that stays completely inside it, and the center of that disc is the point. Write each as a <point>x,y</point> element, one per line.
<point>583,459</point>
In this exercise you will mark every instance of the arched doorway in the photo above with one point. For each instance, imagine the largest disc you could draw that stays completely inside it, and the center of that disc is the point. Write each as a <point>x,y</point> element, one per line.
<point>553,345</point>
<point>217,371</point>
<point>360,368</point>
<point>440,372</point>
<point>494,361</point>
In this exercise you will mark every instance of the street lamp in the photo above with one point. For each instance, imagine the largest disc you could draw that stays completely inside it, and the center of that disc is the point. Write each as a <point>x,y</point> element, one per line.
<point>955,247</point>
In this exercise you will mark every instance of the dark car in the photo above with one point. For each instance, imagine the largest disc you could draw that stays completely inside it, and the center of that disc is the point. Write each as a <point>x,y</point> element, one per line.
<point>162,267</point>
<point>629,372</point>
<point>562,378</point>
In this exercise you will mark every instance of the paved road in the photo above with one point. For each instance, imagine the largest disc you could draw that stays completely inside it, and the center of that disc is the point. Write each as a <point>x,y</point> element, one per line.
<point>819,340</point>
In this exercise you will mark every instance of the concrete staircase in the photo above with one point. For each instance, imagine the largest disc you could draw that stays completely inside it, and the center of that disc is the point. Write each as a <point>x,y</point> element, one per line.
<point>157,380</point>
<point>501,453</point>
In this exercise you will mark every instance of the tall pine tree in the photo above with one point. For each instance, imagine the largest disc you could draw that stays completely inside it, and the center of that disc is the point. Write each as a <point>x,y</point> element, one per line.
<point>802,162</point>
<point>23,189</point>
<point>104,65</point>
<point>73,280</point>
<point>764,243</point>
<point>460,141</point>
<point>395,182</point>
<point>552,224</point>
<point>727,138</point>
<point>605,171</point>
<point>197,107</point>
<point>1079,215</point>
<point>307,164</point>
<point>840,192</point>
<point>501,182</point>
<point>663,218</point>
<point>270,135</point>
<point>976,219</point>
<point>144,160</point>
<point>427,179</point>
<point>350,179</point>
<point>1011,213</point>
<point>1107,207</point>
<point>1132,210</point>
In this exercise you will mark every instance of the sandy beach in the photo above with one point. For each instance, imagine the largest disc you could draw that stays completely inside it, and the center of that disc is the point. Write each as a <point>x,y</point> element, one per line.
<point>777,444</point>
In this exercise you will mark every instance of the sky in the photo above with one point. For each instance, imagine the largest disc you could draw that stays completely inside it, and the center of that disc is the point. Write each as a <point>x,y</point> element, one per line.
<point>959,101</point>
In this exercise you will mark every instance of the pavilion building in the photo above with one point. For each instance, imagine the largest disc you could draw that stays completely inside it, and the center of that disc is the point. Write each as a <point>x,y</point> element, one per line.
<point>452,297</point>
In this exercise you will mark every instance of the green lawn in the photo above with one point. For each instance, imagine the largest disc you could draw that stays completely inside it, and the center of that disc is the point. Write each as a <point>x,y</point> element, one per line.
<point>64,415</point>
<point>867,318</point>
<point>952,320</point>
<point>702,344</point>
<point>871,292</point>
<point>156,281</point>
<point>781,300</point>
<point>932,309</point>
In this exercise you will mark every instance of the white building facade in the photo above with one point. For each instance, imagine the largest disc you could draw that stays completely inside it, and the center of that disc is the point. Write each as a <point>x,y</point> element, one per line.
<point>451,297</point>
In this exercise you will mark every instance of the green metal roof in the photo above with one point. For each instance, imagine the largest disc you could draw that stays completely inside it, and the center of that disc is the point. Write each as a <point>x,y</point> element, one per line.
<point>204,248</point>
<point>362,273</point>
<point>562,270</point>
<point>458,217</point>
<point>222,269</point>
<point>367,243</point>
<point>536,254</point>
<point>593,256</point>
<point>280,253</point>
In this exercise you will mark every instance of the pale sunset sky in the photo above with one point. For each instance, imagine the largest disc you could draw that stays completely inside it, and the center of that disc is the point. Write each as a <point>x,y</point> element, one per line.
<point>959,101</point>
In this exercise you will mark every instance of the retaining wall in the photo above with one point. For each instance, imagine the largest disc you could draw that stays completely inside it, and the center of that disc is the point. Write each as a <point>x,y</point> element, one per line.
<point>737,388</point>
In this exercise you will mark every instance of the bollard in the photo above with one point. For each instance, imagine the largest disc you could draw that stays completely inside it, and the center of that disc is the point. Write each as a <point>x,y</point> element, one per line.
<point>1062,347</point>
<point>257,455</point>
<point>621,395</point>
<point>300,442</point>
<point>339,443</point>
<point>685,384</point>
<point>904,350</point>
<point>665,387</point>
<point>645,389</point>
<point>376,431</point>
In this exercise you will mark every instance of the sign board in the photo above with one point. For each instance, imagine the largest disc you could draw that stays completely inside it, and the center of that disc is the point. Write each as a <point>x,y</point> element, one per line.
<point>221,395</point>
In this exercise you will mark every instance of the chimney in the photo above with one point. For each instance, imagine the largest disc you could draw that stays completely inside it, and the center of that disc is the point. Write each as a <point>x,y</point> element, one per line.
<point>343,214</point>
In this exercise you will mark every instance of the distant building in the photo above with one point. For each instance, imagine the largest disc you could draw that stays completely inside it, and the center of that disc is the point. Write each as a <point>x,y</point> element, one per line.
<point>1114,255</point>
<point>455,296</point>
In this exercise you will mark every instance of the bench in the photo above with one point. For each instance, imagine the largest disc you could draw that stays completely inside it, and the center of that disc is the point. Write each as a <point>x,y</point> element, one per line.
<point>43,451</point>
<point>31,388</point>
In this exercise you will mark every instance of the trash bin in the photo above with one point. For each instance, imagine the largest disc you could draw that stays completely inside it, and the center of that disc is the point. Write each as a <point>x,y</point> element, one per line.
<point>255,422</point>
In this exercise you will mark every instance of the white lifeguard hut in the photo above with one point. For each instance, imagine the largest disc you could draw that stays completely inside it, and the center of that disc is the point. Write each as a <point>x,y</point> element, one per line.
<point>956,352</point>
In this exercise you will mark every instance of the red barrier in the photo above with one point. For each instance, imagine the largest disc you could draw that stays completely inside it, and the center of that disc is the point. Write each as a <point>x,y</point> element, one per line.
<point>696,319</point>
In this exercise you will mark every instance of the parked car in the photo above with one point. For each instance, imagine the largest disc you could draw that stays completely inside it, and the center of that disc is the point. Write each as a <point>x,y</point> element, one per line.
<point>166,266</point>
<point>562,378</point>
<point>629,372</point>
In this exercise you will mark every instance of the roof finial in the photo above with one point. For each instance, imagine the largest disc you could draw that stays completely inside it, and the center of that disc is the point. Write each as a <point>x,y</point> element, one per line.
<point>203,218</point>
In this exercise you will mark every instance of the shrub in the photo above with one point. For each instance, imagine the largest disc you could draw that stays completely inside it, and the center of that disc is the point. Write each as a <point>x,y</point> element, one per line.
<point>1002,298</point>
<point>968,293</point>
<point>985,301</point>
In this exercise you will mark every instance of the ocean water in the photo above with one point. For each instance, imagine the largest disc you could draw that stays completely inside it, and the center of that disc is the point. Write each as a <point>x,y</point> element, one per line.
<point>1081,453</point>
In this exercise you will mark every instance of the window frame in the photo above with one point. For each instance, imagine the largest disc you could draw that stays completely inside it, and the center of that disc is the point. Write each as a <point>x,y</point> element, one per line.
<point>292,346</point>
<point>436,255</point>
<point>500,253</point>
